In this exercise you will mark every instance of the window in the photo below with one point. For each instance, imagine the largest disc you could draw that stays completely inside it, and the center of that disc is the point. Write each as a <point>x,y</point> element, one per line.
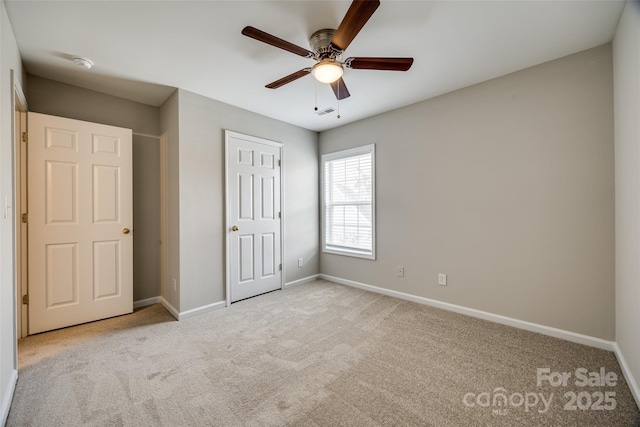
<point>348,202</point>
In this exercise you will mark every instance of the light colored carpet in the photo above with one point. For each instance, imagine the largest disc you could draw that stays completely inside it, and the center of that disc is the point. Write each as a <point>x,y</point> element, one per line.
<point>318,354</point>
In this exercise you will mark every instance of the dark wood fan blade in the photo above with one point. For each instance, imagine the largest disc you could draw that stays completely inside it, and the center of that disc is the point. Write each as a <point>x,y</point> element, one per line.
<point>260,35</point>
<point>358,14</point>
<point>340,89</point>
<point>288,79</point>
<point>391,64</point>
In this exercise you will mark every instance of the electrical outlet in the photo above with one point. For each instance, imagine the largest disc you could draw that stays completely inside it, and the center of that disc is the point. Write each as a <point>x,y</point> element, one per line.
<point>442,279</point>
<point>175,285</point>
<point>300,262</point>
<point>400,271</point>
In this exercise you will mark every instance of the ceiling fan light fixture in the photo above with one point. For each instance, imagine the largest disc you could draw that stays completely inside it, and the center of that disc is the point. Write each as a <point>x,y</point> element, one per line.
<point>327,71</point>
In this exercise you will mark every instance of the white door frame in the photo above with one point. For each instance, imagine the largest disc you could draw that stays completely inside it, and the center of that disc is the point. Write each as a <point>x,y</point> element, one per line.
<point>227,135</point>
<point>19,110</point>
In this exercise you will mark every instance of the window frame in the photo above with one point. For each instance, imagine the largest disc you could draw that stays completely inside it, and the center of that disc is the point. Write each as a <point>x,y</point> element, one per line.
<point>336,155</point>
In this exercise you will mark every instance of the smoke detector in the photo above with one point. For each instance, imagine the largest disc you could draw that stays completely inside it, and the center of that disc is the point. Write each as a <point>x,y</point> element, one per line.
<point>83,62</point>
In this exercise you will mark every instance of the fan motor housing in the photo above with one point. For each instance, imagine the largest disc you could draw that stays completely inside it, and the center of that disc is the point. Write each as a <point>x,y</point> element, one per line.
<point>320,43</point>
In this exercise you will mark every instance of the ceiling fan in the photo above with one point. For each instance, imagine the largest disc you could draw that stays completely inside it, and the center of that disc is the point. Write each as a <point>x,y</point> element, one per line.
<point>327,46</point>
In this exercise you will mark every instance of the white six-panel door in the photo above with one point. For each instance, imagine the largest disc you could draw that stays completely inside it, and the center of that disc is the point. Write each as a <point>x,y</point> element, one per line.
<point>80,222</point>
<point>253,216</point>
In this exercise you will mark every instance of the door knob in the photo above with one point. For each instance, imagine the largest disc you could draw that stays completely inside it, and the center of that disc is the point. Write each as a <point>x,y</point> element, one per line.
<point>125,231</point>
<point>235,228</point>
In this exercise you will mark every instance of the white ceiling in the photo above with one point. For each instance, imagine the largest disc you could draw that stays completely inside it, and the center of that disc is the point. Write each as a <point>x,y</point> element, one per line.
<point>144,49</point>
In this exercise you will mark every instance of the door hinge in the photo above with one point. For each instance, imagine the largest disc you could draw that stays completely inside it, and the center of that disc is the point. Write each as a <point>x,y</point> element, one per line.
<point>279,162</point>
<point>279,214</point>
<point>25,299</point>
<point>280,267</point>
<point>25,218</point>
<point>25,137</point>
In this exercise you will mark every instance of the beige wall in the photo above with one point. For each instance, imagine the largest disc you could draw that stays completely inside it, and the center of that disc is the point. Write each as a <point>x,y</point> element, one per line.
<point>55,98</point>
<point>146,217</point>
<point>59,99</point>
<point>169,126</point>
<point>506,186</point>
<point>626,66</point>
<point>200,170</point>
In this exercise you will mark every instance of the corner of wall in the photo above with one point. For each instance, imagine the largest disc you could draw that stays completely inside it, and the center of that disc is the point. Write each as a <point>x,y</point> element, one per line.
<point>169,128</point>
<point>626,69</point>
<point>7,397</point>
<point>9,60</point>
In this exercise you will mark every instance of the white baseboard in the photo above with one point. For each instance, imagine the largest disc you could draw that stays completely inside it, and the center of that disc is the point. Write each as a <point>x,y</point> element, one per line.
<point>146,302</point>
<point>182,315</point>
<point>7,397</point>
<point>171,309</point>
<point>628,375</point>
<point>201,310</point>
<point>509,321</point>
<point>302,281</point>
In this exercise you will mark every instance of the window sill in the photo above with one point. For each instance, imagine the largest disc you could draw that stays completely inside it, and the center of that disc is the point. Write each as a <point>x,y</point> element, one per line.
<point>351,253</point>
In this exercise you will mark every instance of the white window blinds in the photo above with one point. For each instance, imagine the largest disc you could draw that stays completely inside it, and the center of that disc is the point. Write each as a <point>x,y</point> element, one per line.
<point>348,202</point>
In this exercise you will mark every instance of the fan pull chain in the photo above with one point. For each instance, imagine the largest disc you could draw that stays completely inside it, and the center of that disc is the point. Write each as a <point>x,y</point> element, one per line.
<point>338,99</point>
<point>315,89</point>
